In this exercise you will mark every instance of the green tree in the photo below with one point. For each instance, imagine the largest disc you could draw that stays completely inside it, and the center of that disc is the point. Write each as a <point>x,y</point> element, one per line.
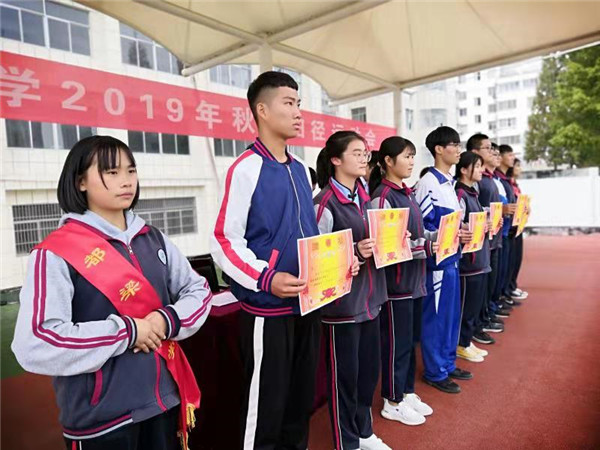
<point>565,123</point>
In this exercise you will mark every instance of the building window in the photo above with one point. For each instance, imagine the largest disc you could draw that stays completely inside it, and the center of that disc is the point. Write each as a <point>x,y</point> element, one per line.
<point>507,104</point>
<point>232,75</point>
<point>139,50</point>
<point>516,139</point>
<point>492,91</point>
<point>32,223</point>
<point>478,118</point>
<point>147,142</point>
<point>507,123</point>
<point>409,116</point>
<point>530,102</point>
<point>462,112</point>
<point>492,108</point>
<point>27,134</point>
<point>229,148</point>
<point>433,117</point>
<point>172,216</point>
<point>509,87</point>
<point>492,126</point>
<point>326,107</point>
<point>531,83</point>
<point>359,114</point>
<point>478,76</point>
<point>462,79</point>
<point>47,24</point>
<point>477,101</point>
<point>461,95</point>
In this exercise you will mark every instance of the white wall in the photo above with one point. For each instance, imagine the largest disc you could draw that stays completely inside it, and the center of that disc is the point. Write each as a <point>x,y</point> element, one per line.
<point>572,201</point>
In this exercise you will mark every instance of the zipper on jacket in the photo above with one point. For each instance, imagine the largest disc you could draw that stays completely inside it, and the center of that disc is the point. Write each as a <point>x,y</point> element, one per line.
<point>297,199</point>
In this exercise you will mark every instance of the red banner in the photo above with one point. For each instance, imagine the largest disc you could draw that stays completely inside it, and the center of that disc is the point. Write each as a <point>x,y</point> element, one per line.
<point>45,91</point>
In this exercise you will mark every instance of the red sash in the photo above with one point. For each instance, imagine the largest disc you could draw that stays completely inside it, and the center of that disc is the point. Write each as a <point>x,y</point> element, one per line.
<point>94,258</point>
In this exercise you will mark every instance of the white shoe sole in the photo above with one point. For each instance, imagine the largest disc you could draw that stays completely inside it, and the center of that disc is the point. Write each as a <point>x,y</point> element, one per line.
<point>475,360</point>
<point>389,416</point>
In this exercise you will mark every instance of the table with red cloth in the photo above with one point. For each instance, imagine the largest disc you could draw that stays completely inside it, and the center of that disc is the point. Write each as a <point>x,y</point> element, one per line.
<point>214,354</point>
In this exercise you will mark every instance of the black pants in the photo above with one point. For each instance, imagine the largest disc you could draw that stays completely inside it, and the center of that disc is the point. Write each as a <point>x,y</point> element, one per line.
<point>516,261</point>
<point>488,309</point>
<point>279,356</point>
<point>156,433</point>
<point>473,290</point>
<point>400,325</point>
<point>352,373</point>
<point>503,280</point>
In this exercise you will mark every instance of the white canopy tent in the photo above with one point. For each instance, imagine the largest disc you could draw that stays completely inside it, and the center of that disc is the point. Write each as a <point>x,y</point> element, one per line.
<point>356,49</point>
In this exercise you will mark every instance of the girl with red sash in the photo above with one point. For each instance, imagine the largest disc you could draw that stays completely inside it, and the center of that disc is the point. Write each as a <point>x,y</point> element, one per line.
<point>106,299</point>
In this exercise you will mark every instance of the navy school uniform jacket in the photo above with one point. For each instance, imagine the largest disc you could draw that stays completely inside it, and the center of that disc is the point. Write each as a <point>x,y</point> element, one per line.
<point>336,212</point>
<point>266,207</point>
<point>407,279</point>
<point>69,330</point>
<point>477,262</point>
<point>436,196</point>
<point>488,193</point>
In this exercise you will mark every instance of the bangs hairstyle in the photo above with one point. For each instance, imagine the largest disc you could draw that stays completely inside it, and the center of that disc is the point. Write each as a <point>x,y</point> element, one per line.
<point>104,149</point>
<point>266,81</point>
<point>441,136</point>
<point>467,160</point>
<point>392,147</point>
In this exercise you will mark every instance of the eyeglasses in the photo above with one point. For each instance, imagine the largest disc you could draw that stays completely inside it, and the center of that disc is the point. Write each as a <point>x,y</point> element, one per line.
<point>363,155</point>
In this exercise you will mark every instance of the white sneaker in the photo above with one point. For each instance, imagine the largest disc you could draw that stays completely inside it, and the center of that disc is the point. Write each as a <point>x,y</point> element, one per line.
<point>478,350</point>
<point>402,413</point>
<point>518,294</point>
<point>468,354</point>
<point>373,443</point>
<point>415,402</point>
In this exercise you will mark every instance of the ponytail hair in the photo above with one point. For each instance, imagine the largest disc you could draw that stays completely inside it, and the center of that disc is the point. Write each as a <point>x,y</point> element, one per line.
<point>335,146</point>
<point>392,147</point>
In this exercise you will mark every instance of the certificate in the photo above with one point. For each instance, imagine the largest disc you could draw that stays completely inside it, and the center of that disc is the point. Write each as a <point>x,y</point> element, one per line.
<point>521,206</point>
<point>448,236</point>
<point>525,217</point>
<point>388,228</point>
<point>496,216</point>
<point>325,262</point>
<point>477,227</point>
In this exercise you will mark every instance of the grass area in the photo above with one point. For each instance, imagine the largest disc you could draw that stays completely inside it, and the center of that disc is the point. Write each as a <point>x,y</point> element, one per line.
<point>9,366</point>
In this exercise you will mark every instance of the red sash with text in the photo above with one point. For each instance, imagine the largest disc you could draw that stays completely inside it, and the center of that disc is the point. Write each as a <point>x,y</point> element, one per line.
<point>94,258</point>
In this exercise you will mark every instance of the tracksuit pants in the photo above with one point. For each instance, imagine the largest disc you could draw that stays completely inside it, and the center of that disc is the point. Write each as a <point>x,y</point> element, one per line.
<point>279,358</point>
<point>400,325</point>
<point>473,294</point>
<point>352,375</point>
<point>441,323</point>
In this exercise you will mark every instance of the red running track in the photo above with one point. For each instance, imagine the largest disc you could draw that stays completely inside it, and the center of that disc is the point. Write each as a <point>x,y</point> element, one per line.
<point>538,389</point>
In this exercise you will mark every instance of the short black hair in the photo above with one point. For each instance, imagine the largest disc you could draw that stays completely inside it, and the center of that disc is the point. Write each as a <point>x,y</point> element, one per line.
<point>79,160</point>
<point>474,142</point>
<point>494,146</point>
<point>505,148</point>
<point>441,136</point>
<point>267,80</point>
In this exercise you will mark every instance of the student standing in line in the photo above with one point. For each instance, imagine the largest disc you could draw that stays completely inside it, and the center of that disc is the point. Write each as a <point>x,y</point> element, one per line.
<point>400,321</point>
<point>441,306</point>
<point>351,323</point>
<point>266,207</point>
<point>474,267</point>
<point>513,174</point>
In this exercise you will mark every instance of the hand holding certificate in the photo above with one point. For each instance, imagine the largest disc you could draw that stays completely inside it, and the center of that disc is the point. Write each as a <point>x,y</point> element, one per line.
<point>477,227</point>
<point>496,216</point>
<point>521,207</point>
<point>448,236</point>
<point>325,262</point>
<point>525,217</point>
<point>388,228</point>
